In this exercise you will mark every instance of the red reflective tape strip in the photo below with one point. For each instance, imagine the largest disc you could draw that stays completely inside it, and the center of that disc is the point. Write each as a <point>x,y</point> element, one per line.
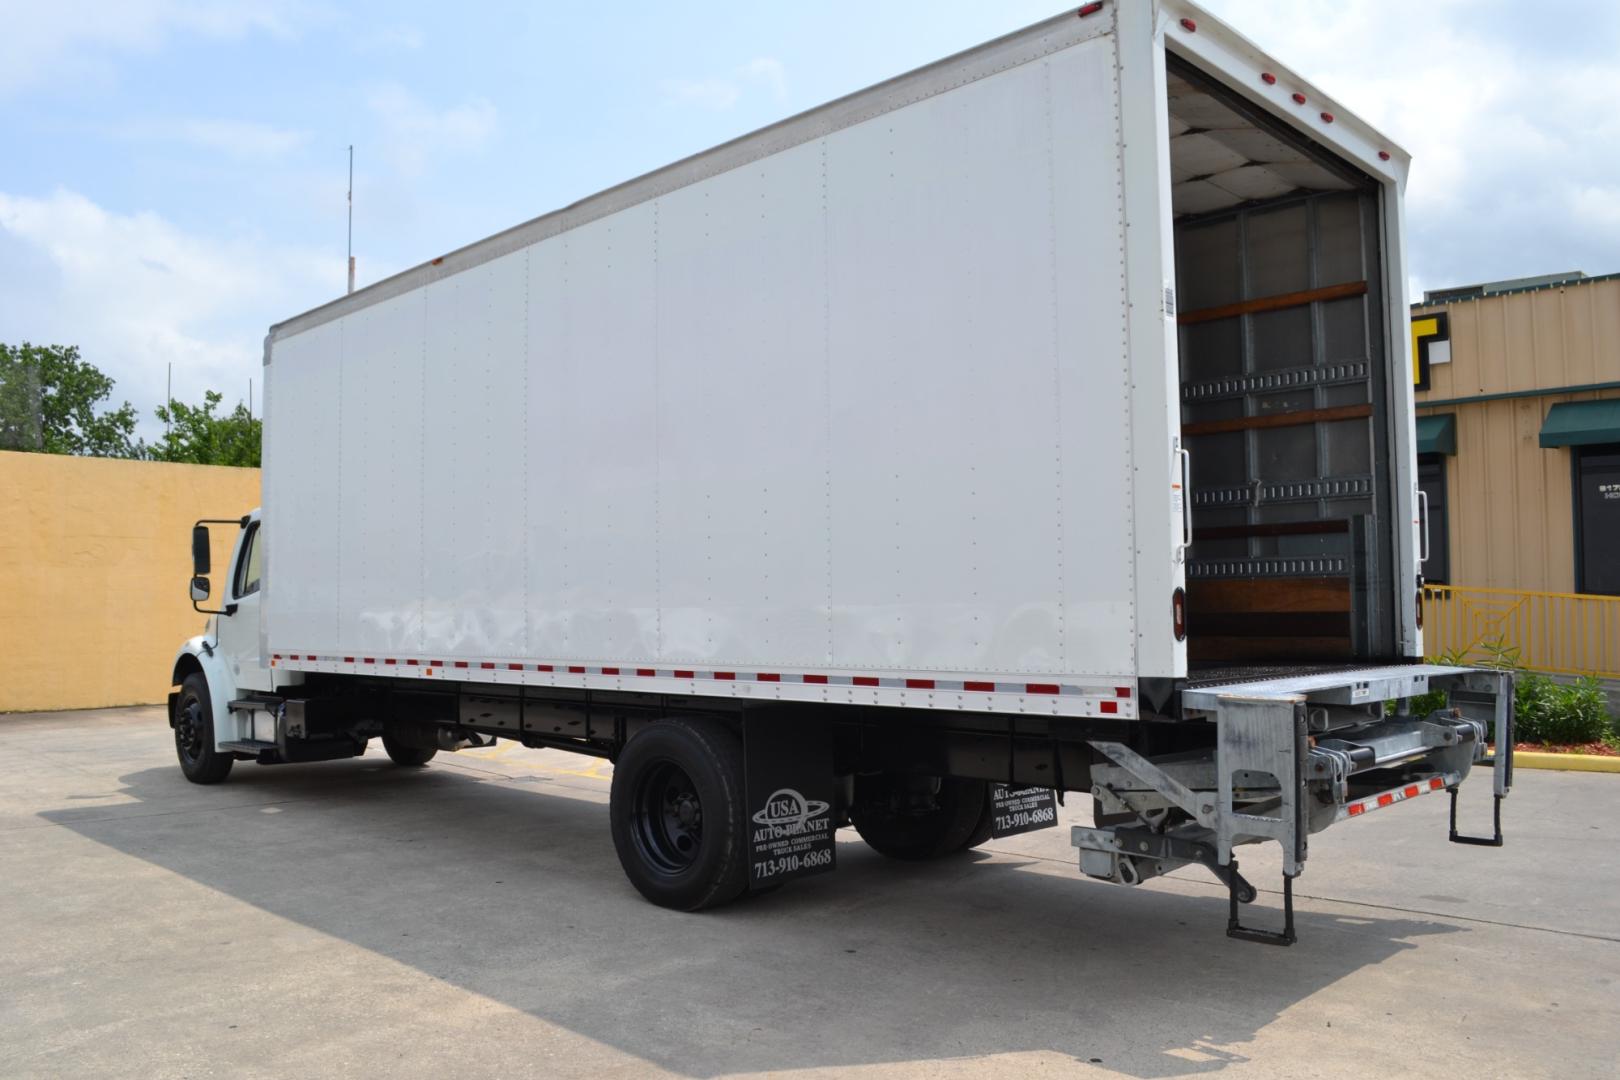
<point>461,663</point>
<point>1357,808</point>
<point>767,676</point>
<point>817,680</point>
<point>371,660</point>
<point>865,680</point>
<point>919,684</point>
<point>1386,799</point>
<point>275,656</point>
<point>980,687</point>
<point>348,659</point>
<point>390,661</point>
<point>514,667</point>
<point>435,663</point>
<point>1122,691</point>
<point>685,675</point>
<point>1436,784</point>
<point>410,663</point>
<point>575,669</point>
<point>1412,792</point>
<point>646,671</point>
<point>1108,706</point>
<point>610,671</point>
<point>1040,688</point>
<point>725,675</point>
<point>487,666</point>
<point>545,667</point>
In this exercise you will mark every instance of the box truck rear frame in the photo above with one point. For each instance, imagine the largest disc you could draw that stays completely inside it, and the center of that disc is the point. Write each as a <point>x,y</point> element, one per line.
<point>1237,589</point>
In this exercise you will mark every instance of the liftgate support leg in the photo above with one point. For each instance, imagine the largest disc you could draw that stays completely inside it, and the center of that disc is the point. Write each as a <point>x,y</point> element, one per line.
<point>1236,929</point>
<point>1262,736</point>
<point>1482,841</point>
<point>1501,764</point>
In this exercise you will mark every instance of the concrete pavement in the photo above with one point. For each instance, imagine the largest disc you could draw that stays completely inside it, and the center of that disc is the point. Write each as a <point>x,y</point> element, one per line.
<point>350,918</point>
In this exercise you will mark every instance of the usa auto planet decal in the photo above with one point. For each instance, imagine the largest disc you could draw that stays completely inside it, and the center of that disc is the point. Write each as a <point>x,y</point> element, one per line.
<point>792,834</point>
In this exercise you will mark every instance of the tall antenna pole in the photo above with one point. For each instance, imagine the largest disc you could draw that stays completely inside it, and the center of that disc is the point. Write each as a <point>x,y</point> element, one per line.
<point>351,217</point>
<point>168,399</point>
<point>250,398</point>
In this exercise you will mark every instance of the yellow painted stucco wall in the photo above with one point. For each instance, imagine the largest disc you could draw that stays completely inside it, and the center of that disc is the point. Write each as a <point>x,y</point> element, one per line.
<point>95,555</point>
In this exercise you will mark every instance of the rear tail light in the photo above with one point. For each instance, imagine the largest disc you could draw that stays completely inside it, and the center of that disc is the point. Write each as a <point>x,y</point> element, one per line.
<point>1178,613</point>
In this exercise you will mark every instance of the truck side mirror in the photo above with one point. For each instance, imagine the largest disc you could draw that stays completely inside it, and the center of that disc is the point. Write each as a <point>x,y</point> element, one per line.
<point>199,589</point>
<point>199,555</point>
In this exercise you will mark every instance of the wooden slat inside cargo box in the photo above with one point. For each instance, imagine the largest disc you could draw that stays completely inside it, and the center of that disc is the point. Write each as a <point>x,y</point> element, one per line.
<point>1251,618</point>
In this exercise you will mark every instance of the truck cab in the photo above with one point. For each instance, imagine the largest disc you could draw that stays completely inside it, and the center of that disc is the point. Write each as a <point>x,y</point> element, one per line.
<point>224,664</point>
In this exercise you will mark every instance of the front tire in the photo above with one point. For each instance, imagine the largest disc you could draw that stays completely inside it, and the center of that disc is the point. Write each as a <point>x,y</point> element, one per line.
<point>194,734</point>
<point>907,817</point>
<point>405,755</point>
<point>678,817</point>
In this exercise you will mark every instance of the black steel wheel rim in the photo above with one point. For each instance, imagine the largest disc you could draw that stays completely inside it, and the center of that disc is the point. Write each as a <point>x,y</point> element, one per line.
<point>188,729</point>
<point>667,819</point>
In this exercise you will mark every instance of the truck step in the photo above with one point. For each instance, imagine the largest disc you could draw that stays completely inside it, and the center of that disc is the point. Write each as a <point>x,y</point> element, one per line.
<point>248,746</point>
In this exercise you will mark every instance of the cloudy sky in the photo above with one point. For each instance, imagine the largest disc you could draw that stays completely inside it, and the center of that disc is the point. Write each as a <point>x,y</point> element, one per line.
<point>172,179</point>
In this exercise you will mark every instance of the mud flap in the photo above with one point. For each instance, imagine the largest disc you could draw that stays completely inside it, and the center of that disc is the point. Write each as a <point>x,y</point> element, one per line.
<point>789,786</point>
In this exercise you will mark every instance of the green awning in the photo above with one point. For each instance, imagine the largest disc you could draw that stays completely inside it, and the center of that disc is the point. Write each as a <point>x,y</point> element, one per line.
<point>1437,434</point>
<point>1582,423</point>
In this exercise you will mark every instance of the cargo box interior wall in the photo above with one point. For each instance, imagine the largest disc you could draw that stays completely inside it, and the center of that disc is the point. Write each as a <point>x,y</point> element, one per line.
<point>1283,387</point>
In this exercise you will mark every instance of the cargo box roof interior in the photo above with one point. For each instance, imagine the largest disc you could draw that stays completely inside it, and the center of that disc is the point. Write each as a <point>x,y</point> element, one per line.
<point>1223,156</point>
<point>1280,308</point>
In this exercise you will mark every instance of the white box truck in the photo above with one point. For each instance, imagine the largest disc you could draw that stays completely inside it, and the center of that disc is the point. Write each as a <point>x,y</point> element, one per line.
<point>1035,422</point>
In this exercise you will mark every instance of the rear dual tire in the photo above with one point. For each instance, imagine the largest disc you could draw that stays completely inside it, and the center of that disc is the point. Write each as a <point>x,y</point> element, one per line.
<point>406,755</point>
<point>907,818</point>
<point>678,816</point>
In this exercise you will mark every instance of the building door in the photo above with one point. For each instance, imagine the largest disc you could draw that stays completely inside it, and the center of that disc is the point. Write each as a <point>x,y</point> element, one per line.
<point>1432,482</point>
<point>1597,520</point>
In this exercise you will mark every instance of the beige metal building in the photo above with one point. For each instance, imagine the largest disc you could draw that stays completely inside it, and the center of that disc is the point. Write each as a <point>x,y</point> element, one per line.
<point>1519,433</point>
<point>1518,395</point>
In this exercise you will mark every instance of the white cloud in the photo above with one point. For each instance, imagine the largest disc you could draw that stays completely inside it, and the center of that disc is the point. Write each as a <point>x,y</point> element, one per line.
<point>415,131</point>
<point>391,38</point>
<point>244,139</point>
<point>75,38</point>
<point>136,293</point>
<point>722,93</point>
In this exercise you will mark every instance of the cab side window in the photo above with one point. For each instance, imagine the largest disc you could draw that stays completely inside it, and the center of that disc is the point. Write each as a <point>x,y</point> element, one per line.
<point>247,572</point>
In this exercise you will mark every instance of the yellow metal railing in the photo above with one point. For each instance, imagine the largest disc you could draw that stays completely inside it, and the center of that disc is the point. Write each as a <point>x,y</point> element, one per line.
<point>1569,633</point>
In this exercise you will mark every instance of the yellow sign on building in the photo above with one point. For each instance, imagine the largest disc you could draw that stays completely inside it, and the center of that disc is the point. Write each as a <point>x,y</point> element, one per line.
<point>1431,344</point>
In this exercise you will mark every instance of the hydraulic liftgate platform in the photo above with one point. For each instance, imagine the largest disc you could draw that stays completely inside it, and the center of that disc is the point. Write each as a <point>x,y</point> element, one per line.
<point>1292,756</point>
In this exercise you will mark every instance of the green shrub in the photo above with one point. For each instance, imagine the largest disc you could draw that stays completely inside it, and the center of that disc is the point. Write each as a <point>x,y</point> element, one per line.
<point>1550,712</point>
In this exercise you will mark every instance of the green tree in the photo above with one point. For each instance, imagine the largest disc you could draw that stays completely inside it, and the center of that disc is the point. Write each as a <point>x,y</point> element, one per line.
<point>48,400</point>
<point>195,435</point>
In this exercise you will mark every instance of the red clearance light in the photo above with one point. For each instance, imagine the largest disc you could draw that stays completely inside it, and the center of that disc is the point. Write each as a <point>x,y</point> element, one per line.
<point>1299,99</point>
<point>1327,118</point>
<point>1268,78</point>
<point>1383,155</point>
<point>1090,9</point>
<point>1189,26</point>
